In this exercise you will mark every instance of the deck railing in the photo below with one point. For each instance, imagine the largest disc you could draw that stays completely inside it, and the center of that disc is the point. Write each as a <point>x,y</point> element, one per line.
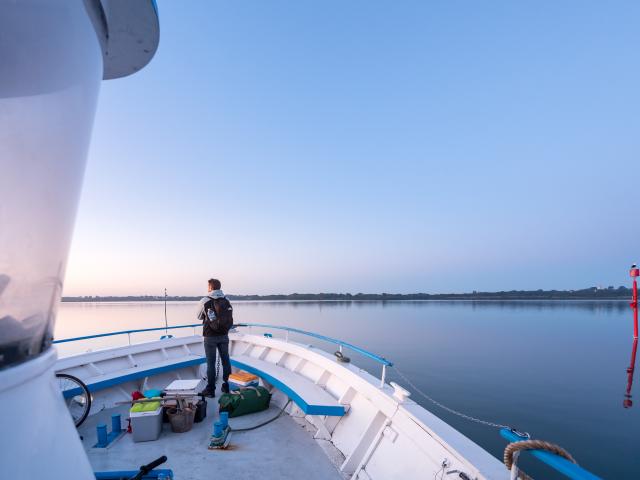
<point>383,361</point>
<point>126,332</point>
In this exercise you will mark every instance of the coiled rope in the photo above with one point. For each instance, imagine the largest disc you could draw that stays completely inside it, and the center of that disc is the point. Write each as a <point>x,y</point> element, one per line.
<point>512,449</point>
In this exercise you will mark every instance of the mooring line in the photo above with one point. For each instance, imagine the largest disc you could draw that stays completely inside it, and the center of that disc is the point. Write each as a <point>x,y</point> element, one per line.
<point>449,409</point>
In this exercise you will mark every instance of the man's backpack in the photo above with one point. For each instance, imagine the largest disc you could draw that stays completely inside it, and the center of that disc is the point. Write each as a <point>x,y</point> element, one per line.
<point>224,315</point>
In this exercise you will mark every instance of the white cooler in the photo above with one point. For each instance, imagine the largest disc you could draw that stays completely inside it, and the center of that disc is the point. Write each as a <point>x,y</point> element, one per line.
<point>185,387</point>
<point>147,424</point>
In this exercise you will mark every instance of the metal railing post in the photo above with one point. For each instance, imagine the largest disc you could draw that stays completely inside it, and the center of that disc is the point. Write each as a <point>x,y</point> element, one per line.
<point>513,474</point>
<point>129,336</point>
<point>286,336</point>
<point>384,375</point>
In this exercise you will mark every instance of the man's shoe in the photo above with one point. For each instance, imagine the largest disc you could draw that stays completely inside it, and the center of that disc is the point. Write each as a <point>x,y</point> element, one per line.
<point>208,392</point>
<point>225,387</point>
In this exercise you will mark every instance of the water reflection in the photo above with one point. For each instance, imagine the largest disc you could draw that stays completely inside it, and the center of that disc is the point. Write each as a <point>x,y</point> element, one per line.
<point>627,402</point>
<point>595,306</point>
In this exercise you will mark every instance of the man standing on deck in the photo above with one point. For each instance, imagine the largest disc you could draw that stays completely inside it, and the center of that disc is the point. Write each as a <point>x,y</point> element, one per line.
<point>216,314</point>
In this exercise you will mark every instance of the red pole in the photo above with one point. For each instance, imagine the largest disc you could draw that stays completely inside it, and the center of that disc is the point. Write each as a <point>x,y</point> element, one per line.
<point>627,402</point>
<point>634,273</point>
<point>635,308</point>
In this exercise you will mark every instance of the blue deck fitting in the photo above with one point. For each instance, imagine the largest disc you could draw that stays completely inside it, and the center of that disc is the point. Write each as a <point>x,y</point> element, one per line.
<point>556,462</point>
<point>101,431</point>
<point>116,424</point>
<point>224,419</point>
<point>104,438</point>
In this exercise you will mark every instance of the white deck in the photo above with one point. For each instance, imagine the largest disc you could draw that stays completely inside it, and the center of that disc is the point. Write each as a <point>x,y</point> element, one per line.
<point>281,449</point>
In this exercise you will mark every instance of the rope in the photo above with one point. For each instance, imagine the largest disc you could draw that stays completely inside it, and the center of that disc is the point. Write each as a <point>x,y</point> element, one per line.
<point>510,449</point>
<point>514,447</point>
<point>448,409</point>
<point>247,429</point>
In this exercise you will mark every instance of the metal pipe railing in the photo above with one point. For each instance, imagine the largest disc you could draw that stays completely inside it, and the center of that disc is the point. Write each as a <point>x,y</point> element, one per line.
<point>124,332</point>
<point>335,341</point>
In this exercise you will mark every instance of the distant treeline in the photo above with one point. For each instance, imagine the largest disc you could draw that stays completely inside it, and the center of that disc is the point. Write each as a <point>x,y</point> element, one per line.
<point>593,293</point>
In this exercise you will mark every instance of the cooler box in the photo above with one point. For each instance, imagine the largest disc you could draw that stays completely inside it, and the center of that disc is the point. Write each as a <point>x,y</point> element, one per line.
<point>185,387</point>
<point>146,421</point>
<point>241,379</point>
<point>235,386</point>
<point>188,390</point>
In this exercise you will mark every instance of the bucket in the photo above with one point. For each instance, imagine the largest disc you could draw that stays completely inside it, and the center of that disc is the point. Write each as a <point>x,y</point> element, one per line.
<point>181,420</point>
<point>201,410</point>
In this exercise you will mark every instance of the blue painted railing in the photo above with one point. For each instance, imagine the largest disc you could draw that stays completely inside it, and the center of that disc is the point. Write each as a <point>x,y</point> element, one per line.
<point>335,341</point>
<point>125,332</point>
<point>385,363</point>
<point>556,462</point>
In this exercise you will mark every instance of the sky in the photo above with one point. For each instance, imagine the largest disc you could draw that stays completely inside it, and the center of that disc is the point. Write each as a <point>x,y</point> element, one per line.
<point>441,146</point>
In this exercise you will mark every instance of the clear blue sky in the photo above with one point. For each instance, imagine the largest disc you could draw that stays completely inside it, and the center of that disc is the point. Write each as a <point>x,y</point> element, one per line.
<point>368,147</point>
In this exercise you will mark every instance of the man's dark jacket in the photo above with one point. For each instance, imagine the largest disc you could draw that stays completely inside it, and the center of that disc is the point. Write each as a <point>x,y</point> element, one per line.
<point>224,313</point>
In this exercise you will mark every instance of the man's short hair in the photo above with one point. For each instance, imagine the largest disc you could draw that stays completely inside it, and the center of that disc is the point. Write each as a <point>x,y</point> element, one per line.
<point>214,283</point>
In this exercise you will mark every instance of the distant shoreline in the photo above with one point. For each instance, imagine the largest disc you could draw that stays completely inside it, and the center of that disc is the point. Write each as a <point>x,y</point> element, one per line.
<point>611,293</point>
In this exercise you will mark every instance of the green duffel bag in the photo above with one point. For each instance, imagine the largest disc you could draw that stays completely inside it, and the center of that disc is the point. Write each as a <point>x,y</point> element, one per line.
<point>245,400</point>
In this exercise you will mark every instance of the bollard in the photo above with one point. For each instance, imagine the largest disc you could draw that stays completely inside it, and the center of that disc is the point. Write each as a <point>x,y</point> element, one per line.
<point>116,424</point>
<point>102,435</point>
<point>224,419</point>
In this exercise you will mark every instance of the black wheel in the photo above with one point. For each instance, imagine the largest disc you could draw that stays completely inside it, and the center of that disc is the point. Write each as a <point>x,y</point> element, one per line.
<point>76,395</point>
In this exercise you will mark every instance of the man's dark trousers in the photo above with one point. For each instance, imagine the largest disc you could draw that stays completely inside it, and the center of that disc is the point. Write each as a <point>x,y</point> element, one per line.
<point>221,344</point>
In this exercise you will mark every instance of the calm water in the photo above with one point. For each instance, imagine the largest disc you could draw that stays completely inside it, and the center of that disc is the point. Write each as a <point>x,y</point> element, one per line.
<point>554,369</point>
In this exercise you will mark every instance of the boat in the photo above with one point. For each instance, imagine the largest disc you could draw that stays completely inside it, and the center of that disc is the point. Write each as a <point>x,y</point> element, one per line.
<point>334,419</point>
<point>328,418</point>
<point>354,425</point>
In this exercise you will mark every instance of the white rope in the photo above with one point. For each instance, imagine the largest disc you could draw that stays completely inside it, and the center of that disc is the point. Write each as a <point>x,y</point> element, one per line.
<point>444,407</point>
